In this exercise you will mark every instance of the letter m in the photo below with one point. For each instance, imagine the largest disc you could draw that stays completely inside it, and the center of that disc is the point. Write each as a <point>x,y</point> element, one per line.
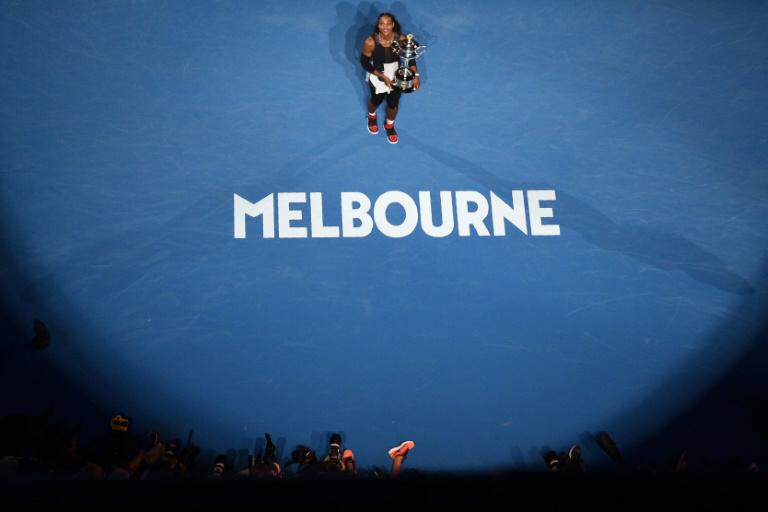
<point>265,208</point>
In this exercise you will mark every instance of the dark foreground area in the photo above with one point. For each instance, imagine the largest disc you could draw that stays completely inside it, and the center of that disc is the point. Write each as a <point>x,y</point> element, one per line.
<point>509,490</point>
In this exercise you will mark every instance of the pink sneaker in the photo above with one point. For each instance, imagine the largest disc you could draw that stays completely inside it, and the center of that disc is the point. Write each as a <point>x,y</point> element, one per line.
<point>401,450</point>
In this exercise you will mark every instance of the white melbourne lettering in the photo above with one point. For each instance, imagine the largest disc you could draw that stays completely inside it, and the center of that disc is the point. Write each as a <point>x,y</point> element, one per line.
<point>471,208</point>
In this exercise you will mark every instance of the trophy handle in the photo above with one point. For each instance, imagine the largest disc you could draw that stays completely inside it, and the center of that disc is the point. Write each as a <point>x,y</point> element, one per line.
<point>411,49</point>
<point>418,50</point>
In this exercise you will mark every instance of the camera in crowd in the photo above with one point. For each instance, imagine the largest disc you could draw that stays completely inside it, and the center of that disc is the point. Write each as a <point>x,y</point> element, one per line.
<point>569,461</point>
<point>119,423</point>
<point>303,455</point>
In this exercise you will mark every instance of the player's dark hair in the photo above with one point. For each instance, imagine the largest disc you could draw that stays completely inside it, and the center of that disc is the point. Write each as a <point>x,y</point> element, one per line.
<point>398,29</point>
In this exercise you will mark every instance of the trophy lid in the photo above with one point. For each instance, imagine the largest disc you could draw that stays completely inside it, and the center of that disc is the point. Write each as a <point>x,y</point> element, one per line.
<point>409,48</point>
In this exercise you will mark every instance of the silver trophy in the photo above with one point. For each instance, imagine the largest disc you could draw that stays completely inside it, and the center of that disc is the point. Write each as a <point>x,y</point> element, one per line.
<point>407,51</point>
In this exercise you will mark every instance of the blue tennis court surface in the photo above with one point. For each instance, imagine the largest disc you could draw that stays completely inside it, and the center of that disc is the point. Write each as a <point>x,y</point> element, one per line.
<point>128,127</point>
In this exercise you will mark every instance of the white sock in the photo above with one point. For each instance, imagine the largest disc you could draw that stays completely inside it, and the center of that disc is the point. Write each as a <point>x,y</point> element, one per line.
<point>390,121</point>
<point>371,114</point>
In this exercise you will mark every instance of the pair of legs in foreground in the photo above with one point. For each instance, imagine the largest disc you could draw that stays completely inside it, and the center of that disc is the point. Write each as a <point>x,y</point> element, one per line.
<point>393,100</point>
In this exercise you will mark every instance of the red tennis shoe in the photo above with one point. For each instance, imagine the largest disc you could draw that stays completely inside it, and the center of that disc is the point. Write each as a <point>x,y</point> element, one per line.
<point>391,133</point>
<point>401,450</point>
<point>373,125</point>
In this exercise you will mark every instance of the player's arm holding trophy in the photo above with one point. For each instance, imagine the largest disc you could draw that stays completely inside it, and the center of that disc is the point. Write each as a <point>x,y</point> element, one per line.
<point>407,75</point>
